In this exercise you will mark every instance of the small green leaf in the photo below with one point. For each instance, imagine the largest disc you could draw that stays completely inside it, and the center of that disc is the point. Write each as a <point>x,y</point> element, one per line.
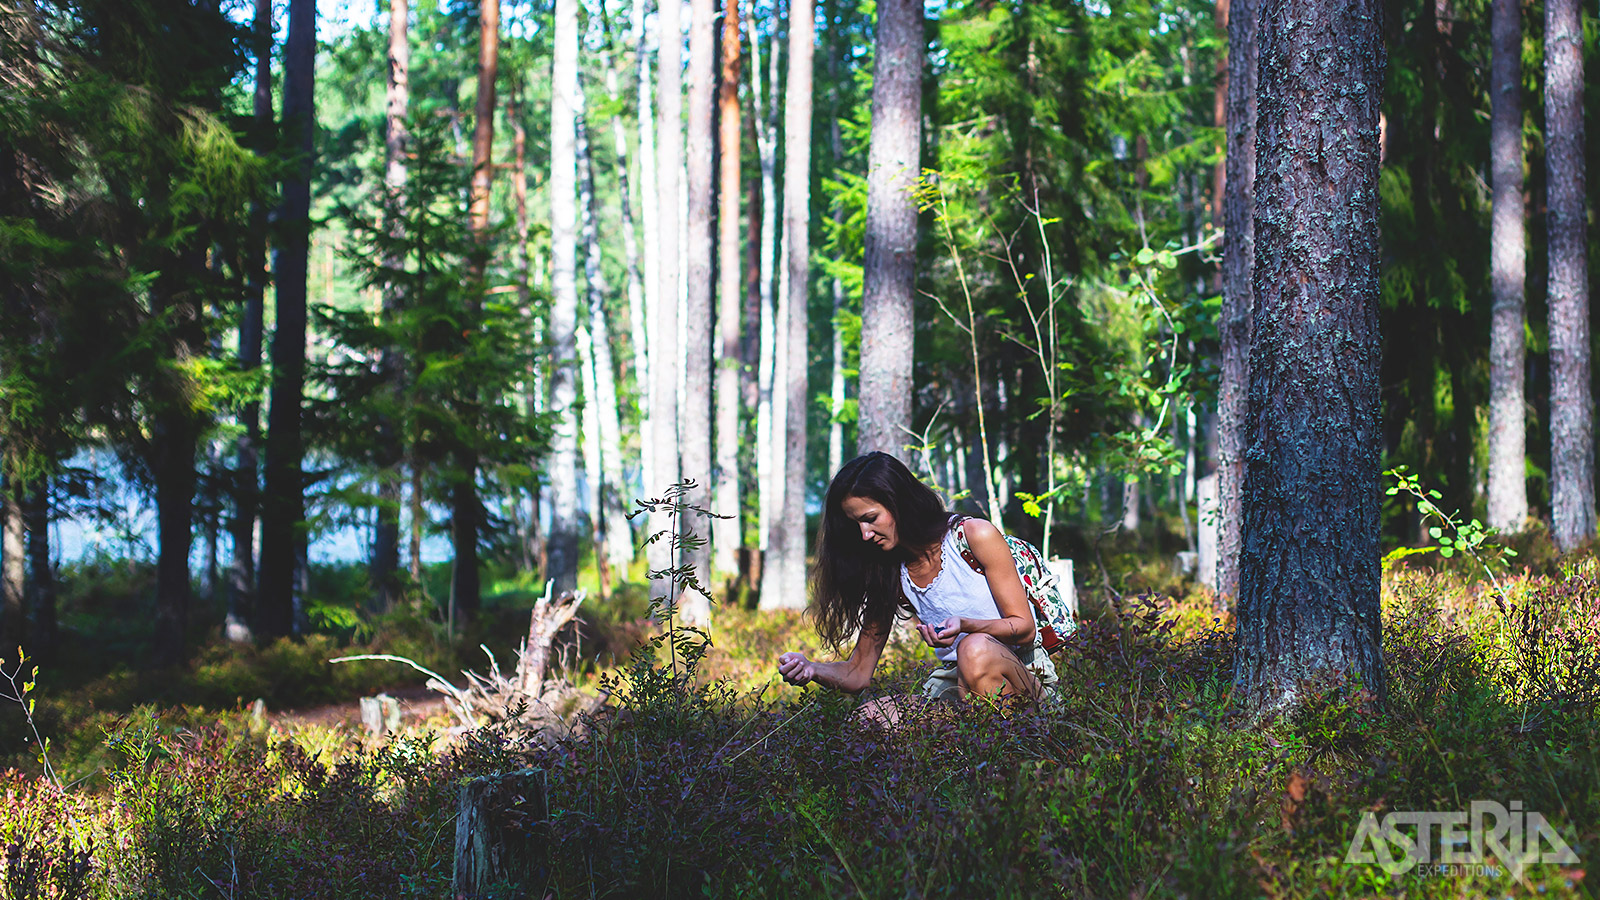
<point>1435,532</point>
<point>1447,552</point>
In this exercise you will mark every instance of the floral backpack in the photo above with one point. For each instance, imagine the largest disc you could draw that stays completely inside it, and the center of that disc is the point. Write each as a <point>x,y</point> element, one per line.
<point>1050,612</point>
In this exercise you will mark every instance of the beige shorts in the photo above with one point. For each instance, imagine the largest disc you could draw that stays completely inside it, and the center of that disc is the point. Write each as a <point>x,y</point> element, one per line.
<point>943,681</point>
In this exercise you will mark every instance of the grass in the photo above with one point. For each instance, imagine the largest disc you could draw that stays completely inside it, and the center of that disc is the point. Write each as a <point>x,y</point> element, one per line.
<point>1148,778</point>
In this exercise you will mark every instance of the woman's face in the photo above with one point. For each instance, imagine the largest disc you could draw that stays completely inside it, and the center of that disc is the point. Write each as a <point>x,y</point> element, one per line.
<point>876,525</point>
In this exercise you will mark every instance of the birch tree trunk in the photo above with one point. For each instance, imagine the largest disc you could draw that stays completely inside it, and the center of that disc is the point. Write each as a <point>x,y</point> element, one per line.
<point>1238,260</point>
<point>1309,594</point>
<point>889,261</point>
<point>1508,488</point>
<point>664,337</point>
<point>726,532</point>
<point>694,434</point>
<point>643,321</point>
<point>602,395</point>
<point>386,536</point>
<point>766,366</point>
<point>836,386</point>
<point>282,507</point>
<point>1571,406</point>
<point>565,105</point>
<point>790,538</point>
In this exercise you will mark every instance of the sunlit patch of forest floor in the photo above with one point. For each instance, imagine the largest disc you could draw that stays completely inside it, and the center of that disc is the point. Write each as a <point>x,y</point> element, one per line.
<point>1144,777</point>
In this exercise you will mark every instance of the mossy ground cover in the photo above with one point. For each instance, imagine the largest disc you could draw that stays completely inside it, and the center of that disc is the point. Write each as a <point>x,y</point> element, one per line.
<point>1147,778</point>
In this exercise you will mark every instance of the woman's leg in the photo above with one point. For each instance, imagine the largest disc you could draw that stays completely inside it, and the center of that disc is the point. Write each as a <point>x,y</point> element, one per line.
<point>988,667</point>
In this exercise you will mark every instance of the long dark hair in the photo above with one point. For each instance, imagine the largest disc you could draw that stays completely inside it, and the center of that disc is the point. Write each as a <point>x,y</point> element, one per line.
<point>854,584</point>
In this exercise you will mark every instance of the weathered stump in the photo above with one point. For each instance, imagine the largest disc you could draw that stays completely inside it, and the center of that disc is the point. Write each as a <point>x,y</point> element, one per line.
<point>380,715</point>
<point>498,845</point>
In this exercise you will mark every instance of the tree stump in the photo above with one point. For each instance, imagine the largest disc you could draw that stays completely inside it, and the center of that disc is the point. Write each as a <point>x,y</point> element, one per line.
<point>380,715</point>
<point>498,850</point>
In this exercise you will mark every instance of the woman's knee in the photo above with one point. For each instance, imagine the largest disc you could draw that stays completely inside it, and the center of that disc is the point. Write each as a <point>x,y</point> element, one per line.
<point>982,662</point>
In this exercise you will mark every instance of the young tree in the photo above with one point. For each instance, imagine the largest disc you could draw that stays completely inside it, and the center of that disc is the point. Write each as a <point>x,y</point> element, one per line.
<point>563,471</point>
<point>1571,406</point>
<point>889,264</point>
<point>282,507</point>
<point>789,540</point>
<point>694,429</point>
<point>727,532</point>
<point>1508,490</point>
<point>1238,258</point>
<point>1308,601</point>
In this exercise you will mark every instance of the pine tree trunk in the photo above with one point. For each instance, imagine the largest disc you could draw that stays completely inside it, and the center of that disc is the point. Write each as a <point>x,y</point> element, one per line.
<point>42,632</point>
<point>727,532</point>
<point>1238,260</point>
<point>611,508</point>
<point>246,483</point>
<point>790,538</point>
<point>386,536</point>
<point>1571,406</point>
<point>664,336</point>
<point>565,105</point>
<point>466,510</point>
<point>282,504</point>
<point>889,262</point>
<point>1309,596</point>
<point>1508,491</point>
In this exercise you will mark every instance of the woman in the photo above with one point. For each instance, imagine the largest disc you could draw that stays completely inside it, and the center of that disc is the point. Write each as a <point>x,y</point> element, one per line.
<point>886,543</point>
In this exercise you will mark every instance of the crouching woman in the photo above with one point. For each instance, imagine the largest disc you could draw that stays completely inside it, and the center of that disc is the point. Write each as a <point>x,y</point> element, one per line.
<point>886,545</point>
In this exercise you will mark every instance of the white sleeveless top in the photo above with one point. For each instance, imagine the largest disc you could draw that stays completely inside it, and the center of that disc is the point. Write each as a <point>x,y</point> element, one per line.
<point>956,590</point>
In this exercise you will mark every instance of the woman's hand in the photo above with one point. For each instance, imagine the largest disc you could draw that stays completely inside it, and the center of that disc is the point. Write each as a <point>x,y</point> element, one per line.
<point>796,669</point>
<point>942,635</point>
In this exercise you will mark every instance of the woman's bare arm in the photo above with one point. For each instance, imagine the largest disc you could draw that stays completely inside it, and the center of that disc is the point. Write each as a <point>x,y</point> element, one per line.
<point>1015,625</point>
<point>850,676</point>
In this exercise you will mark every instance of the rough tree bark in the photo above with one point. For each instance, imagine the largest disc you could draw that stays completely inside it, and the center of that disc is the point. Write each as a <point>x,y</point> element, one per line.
<point>13,576</point>
<point>664,334</point>
<point>565,103</point>
<point>726,533</point>
<point>386,535</point>
<point>694,426</point>
<point>1238,260</point>
<point>282,503</point>
<point>1308,601</point>
<point>889,261</point>
<point>1571,409</point>
<point>1508,490</point>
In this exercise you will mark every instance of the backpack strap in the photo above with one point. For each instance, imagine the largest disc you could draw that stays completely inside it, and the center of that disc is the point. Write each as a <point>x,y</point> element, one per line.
<point>962,546</point>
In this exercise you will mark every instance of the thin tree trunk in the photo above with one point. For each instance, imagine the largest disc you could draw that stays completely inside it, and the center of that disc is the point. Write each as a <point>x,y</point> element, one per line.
<point>466,510</point>
<point>766,366</point>
<point>1238,255</point>
<point>650,239</point>
<point>386,536</point>
<point>566,102</point>
<point>1508,490</point>
<point>664,336</point>
<point>1309,595</point>
<point>42,633</point>
<point>282,507</point>
<point>1571,406</point>
<point>836,386</point>
<point>590,429</point>
<point>726,536</point>
<point>13,574</point>
<point>612,510</point>
<point>694,432</point>
<point>889,261</point>
<point>790,538</point>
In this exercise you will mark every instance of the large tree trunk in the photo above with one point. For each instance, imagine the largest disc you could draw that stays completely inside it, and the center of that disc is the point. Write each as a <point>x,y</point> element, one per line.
<point>386,536</point>
<point>694,431</point>
<point>246,480</point>
<point>789,539</point>
<point>466,511</point>
<point>1508,491</point>
<point>612,524</point>
<point>283,504</point>
<point>1308,601</point>
<point>565,105</point>
<point>726,536</point>
<point>889,263</point>
<point>1571,412</point>
<point>13,574</point>
<point>1238,260</point>
<point>664,334</point>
